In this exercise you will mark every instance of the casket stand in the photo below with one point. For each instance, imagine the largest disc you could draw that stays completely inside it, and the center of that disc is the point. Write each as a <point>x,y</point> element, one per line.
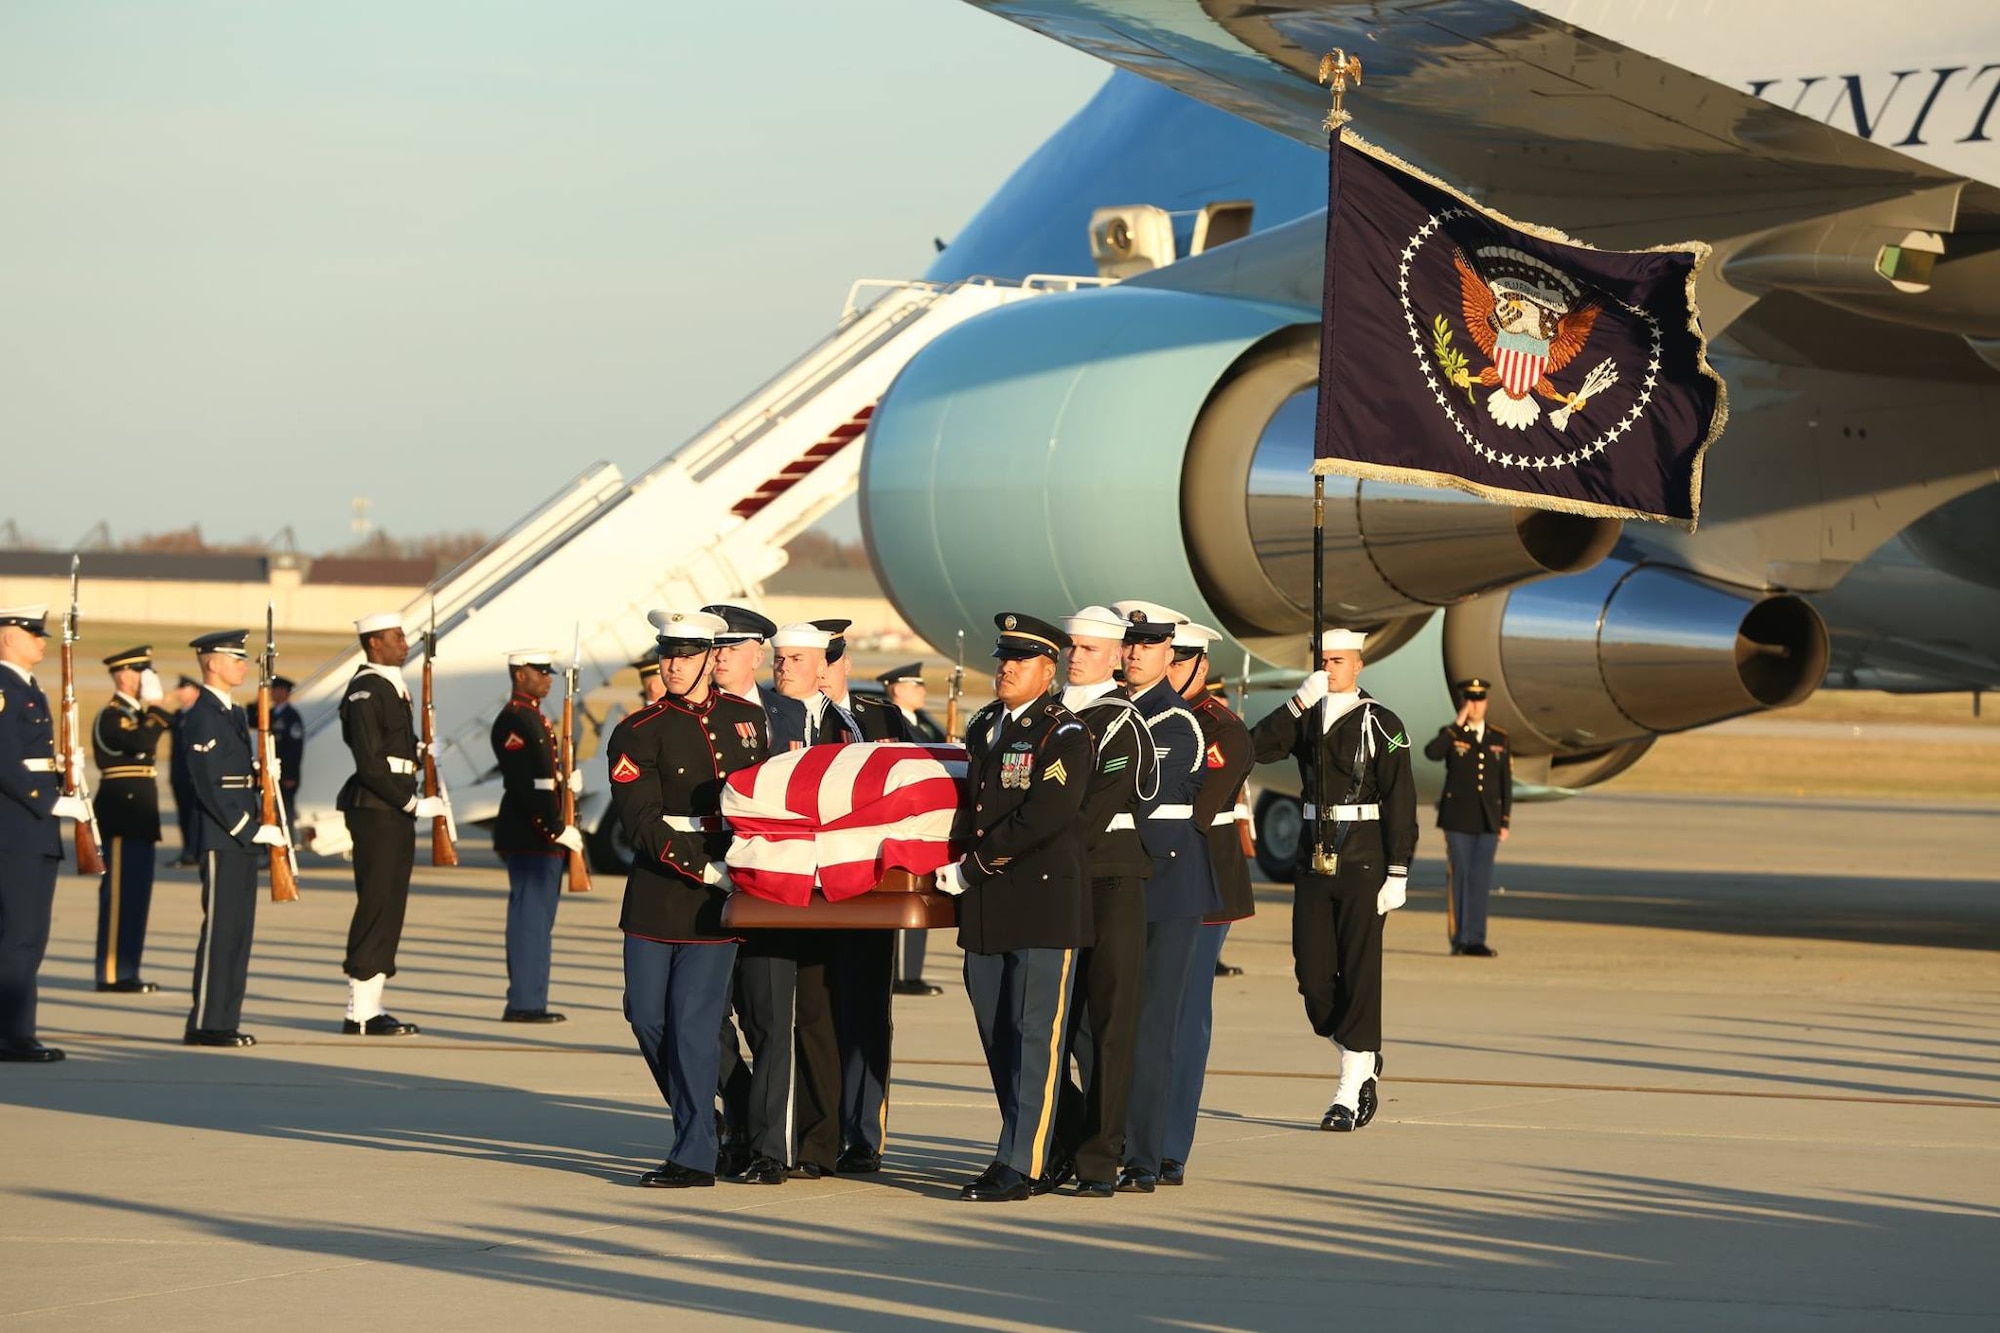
<point>902,901</point>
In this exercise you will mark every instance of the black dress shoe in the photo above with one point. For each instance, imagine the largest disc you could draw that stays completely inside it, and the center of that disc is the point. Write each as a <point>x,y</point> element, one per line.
<point>218,1037</point>
<point>382,1025</point>
<point>134,986</point>
<point>185,862</point>
<point>916,988</point>
<point>760,1171</point>
<point>858,1161</point>
<point>1339,1120</point>
<point>1223,969</point>
<point>1172,1172</point>
<point>732,1160</point>
<point>1095,1189</point>
<point>1058,1174</point>
<point>1478,951</point>
<point>32,1053</point>
<point>998,1184</point>
<point>807,1171</point>
<point>674,1176</point>
<point>532,1016</point>
<point>1131,1180</point>
<point>1456,948</point>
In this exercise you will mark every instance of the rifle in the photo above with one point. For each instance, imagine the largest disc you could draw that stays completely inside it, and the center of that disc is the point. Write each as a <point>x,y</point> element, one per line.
<point>951,718</point>
<point>579,868</point>
<point>284,875</point>
<point>443,853</point>
<point>1245,836</point>
<point>89,860</point>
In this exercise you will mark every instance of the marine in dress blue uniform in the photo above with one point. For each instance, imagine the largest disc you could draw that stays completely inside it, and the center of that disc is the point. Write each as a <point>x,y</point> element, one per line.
<point>667,765</point>
<point>223,763</point>
<point>124,741</point>
<point>1473,810</point>
<point>1024,905</point>
<point>529,834</point>
<point>31,804</point>
<point>1180,893</point>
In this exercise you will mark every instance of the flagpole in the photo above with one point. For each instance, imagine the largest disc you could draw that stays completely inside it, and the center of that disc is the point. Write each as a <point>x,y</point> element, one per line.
<point>1336,70</point>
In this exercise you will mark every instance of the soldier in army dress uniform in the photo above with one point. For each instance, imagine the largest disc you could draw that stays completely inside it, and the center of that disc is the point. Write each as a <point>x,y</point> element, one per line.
<point>1473,810</point>
<point>124,741</point>
<point>529,833</point>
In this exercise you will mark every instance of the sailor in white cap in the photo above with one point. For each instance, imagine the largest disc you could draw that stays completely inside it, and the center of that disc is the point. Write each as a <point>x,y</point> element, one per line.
<point>382,804</point>
<point>529,833</point>
<point>1354,860</point>
<point>667,765</point>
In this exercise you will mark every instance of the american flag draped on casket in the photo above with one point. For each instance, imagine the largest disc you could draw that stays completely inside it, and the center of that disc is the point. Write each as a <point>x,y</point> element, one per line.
<point>839,816</point>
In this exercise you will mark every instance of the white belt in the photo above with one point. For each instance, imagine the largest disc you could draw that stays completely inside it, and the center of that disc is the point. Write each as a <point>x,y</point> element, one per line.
<point>1241,812</point>
<point>235,782</point>
<point>1119,823</point>
<point>404,766</point>
<point>1172,812</point>
<point>1347,814</point>
<point>693,823</point>
<point>545,784</point>
<point>39,765</point>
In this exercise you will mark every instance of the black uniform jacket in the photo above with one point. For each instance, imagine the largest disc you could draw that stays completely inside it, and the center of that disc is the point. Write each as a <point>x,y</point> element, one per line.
<point>1225,764</point>
<point>784,720</point>
<point>375,722</point>
<point>1024,871</point>
<point>923,728</point>
<point>29,782</point>
<point>1367,763</point>
<point>124,743</point>
<point>288,731</point>
<point>1478,795</point>
<point>668,762</point>
<point>177,766</point>
<point>223,765</point>
<point>878,719</point>
<point>524,745</point>
<point>1125,767</point>
<point>1182,883</point>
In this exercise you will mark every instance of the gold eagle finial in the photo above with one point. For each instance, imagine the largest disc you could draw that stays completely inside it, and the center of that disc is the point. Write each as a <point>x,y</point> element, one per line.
<point>1338,70</point>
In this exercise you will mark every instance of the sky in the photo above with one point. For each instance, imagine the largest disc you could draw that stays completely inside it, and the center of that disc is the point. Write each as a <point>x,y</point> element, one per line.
<point>257,260</point>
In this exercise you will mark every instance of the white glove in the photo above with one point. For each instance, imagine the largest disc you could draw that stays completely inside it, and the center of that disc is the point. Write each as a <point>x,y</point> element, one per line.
<point>576,782</point>
<point>70,807</point>
<point>277,769</point>
<point>717,874</point>
<point>1311,690</point>
<point>270,835</point>
<point>1395,891</point>
<point>429,807</point>
<point>150,689</point>
<point>950,879</point>
<point>571,837</point>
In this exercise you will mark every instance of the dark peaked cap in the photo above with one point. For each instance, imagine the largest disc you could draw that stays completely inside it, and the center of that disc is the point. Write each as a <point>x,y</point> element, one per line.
<point>1023,636</point>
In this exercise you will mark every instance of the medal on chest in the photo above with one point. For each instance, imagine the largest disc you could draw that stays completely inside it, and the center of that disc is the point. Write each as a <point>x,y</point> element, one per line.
<point>1016,767</point>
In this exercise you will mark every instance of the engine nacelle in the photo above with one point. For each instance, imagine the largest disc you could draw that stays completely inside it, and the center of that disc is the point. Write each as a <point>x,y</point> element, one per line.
<point>1627,651</point>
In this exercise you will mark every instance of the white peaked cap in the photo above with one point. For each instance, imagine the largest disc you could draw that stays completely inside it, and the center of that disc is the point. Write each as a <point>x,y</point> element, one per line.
<point>1331,640</point>
<point>1191,635</point>
<point>1154,612</point>
<point>378,622</point>
<point>801,634</point>
<point>695,625</point>
<point>1095,622</point>
<point>532,657</point>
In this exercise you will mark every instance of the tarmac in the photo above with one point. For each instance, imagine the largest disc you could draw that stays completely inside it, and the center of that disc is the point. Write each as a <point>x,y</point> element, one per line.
<point>1735,1068</point>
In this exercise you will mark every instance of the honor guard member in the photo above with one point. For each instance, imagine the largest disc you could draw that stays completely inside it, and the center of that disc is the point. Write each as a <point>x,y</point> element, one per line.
<point>31,806</point>
<point>1180,893</point>
<point>223,763</point>
<point>529,833</point>
<point>668,764</point>
<point>1368,830</point>
<point>739,657</point>
<point>1023,908</point>
<point>650,688</point>
<point>1473,810</point>
<point>124,742</point>
<point>861,964</point>
<point>903,688</point>
<point>1104,1029</point>
<point>288,733</point>
<point>382,804</point>
<point>1226,763</point>
<point>186,691</point>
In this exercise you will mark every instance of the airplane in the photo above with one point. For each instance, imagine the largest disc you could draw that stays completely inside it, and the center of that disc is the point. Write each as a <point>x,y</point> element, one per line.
<point>1110,373</point>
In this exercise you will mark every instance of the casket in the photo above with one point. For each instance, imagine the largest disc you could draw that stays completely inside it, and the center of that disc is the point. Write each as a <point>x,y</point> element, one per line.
<point>902,901</point>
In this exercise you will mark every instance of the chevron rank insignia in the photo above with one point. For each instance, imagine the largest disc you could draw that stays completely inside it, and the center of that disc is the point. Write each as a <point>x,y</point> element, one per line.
<point>1215,754</point>
<point>513,742</point>
<point>624,770</point>
<point>1056,773</point>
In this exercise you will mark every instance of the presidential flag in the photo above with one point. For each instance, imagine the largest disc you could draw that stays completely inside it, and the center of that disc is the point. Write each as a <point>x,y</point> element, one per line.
<point>1460,348</point>
<point>837,817</point>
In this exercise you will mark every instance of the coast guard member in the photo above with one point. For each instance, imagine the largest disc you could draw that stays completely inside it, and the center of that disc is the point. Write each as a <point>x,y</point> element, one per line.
<point>123,742</point>
<point>1110,978</point>
<point>1225,763</point>
<point>1372,834</point>
<point>1473,810</point>
<point>223,763</point>
<point>1024,907</point>
<point>31,804</point>
<point>529,833</point>
<point>667,766</point>
<point>1180,894</point>
<point>382,805</point>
